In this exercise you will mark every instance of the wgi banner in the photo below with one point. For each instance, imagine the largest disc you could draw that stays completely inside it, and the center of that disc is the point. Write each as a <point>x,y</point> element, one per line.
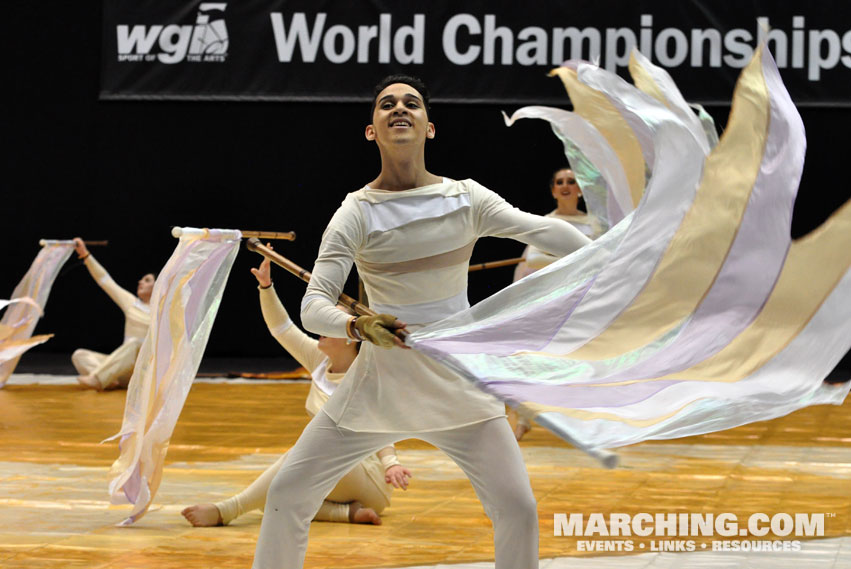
<point>468,51</point>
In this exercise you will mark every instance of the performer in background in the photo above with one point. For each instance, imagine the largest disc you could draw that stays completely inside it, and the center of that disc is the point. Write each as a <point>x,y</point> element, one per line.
<point>567,193</point>
<point>410,233</point>
<point>110,371</point>
<point>364,492</point>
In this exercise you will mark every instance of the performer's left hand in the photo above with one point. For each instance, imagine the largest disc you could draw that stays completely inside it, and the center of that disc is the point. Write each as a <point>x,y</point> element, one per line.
<point>381,330</point>
<point>398,476</point>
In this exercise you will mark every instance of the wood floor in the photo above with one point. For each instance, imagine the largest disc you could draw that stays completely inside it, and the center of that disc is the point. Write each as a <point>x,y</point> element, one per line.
<point>54,510</point>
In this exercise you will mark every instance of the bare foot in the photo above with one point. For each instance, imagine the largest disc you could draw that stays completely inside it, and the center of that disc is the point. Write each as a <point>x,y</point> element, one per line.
<point>203,515</point>
<point>89,382</point>
<point>520,431</point>
<point>360,515</point>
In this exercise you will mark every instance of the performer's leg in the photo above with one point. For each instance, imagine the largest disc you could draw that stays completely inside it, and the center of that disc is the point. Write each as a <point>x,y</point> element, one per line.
<point>488,453</point>
<point>117,369</point>
<point>86,361</point>
<point>359,496</point>
<point>365,484</point>
<point>224,512</point>
<point>353,493</point>
<point>320,457</point>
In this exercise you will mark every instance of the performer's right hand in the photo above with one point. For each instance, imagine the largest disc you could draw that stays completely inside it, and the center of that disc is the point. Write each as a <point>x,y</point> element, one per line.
<point>80,248</point>
<point>263,273</point>
<point>380,330</point>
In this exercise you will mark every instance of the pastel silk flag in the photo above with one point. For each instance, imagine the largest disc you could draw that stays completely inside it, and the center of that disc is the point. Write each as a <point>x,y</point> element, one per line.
<point>697,312</point>
<point>626,135</point>
<point>21,316</point>
<point>184,302</point>
<point>656,82</point>
<point>10,348</point>
<point>597,166</point>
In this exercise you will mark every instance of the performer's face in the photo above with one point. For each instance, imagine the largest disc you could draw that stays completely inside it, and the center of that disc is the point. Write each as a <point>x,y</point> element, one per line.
<point>145,287</point>
<point>399,117</point>
<point>564,186</point>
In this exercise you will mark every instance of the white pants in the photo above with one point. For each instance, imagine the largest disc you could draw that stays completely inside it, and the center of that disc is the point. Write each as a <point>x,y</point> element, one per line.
<point>486,452</point>
<point>111,370</point>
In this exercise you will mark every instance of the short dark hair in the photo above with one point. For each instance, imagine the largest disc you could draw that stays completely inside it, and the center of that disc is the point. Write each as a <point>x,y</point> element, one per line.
<point>414,82</point>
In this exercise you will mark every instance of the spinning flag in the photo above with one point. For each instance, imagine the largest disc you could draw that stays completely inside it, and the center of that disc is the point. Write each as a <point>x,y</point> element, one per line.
<point>695,313</point>
<point>184,303</point>
<point>27,305</point>
<point>600,167</point>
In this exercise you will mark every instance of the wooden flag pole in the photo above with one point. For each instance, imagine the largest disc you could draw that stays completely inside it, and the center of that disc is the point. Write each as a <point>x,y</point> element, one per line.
<point>281,235</point>
<point>247,234</point>
<point>495,264</point>
<point>254,244</point>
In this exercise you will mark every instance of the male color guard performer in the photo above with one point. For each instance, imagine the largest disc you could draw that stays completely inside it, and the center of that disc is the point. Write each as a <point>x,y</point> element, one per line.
<point>410,233</point>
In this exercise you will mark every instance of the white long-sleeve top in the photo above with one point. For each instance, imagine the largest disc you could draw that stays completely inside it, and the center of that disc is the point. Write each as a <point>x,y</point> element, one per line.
<point>137,314</point>
<point>412,250</point>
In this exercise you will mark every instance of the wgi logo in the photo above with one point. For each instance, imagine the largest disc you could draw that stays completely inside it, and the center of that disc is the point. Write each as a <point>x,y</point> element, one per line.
<point>207,40</point>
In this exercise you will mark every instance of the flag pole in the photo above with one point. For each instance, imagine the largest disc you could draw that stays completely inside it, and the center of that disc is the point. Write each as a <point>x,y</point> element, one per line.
<point>496,264</point>
<point>202,232</point>
<point>254,244</point>
<point>279,235</point>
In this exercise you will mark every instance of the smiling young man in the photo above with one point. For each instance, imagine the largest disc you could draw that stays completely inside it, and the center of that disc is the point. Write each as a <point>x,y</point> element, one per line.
<point>411,234</point>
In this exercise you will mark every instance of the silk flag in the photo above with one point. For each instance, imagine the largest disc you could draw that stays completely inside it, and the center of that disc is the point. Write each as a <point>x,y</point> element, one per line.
<point>697,312</point>
<point>598,167</point>
<point>184,302</point>
<point>11,348</point>
<point>21,316</point>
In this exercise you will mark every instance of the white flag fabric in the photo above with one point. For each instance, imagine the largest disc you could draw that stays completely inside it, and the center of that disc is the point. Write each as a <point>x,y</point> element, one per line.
<point>697,312</point>
<point>11,348</point>
<point>185,299</point>
<point>27,305</point>
<point>599,168</point>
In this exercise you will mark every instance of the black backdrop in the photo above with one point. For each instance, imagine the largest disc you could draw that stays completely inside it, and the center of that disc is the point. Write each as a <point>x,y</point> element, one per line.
<point>128,171</point>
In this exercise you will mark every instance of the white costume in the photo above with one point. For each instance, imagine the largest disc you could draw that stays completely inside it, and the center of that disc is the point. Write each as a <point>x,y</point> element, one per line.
<point>412,250</point>
<point>365,482</point>
<point>116,368</point>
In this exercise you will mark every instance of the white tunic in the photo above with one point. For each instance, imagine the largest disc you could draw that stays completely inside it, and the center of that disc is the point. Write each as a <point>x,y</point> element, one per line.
<point>412,250</point>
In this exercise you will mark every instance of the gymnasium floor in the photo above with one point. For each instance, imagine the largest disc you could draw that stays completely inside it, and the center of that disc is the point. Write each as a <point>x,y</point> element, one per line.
<point>54,511</point>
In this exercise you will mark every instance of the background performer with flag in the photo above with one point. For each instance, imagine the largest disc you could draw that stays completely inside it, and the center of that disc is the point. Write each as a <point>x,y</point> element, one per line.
<point>109,371</point>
